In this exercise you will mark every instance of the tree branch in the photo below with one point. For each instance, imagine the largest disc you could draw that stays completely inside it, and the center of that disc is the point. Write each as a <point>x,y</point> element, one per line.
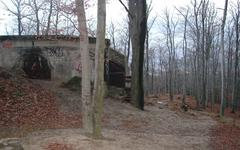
<point>125,7</point>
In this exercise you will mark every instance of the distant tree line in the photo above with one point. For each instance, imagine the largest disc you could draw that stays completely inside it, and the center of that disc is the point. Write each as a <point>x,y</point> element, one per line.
<point>188,57</point>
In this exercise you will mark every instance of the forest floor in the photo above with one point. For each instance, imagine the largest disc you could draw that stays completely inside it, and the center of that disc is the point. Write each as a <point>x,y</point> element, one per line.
<point>44,116</point>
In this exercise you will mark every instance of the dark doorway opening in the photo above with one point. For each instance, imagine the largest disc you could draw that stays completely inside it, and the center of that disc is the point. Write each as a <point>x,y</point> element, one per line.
<point>115,74</point>
<point>35,65</point>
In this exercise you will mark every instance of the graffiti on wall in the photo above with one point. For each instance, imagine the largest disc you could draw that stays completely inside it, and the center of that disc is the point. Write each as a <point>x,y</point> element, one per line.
<point>55,51</point>
<point>7,44</point>
<point>77,63</point>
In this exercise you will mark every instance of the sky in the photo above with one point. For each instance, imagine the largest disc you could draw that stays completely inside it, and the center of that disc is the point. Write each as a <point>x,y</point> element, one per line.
<point>115,11</point>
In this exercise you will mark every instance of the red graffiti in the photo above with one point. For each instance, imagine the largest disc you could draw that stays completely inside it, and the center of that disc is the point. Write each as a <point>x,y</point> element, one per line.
<point>7,44</point>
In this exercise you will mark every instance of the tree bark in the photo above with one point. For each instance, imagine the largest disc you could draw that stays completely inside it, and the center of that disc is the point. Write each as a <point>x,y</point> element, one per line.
<point>222,59</point>
<point>86,89</point>
<point>49,17</point>
<point>138,27</point>
<point>98,93</point>
<point>36,11</point>
<point>185,58</point>
<point>236,78</point>
<point>147,64</point>
<point>127,54</point>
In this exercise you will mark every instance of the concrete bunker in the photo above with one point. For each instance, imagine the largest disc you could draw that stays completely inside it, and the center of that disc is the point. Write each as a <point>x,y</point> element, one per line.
<point>57,57</point>
<point>35,65</point>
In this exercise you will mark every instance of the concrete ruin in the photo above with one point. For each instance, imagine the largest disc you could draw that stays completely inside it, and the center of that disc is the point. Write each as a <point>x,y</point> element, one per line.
<point>56,57</point>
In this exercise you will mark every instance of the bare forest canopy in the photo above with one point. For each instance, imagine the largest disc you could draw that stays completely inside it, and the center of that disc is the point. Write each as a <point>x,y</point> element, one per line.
<point>180,64</point>
<point>182,50</point>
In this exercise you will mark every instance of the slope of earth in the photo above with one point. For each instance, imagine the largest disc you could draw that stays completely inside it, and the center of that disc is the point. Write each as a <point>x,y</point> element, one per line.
<point>55,118</point>
<point>226,136</point>
<point>125,127</point>
<point>26,106</point>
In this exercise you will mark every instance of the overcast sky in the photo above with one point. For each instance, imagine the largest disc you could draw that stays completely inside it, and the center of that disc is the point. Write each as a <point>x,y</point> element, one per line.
<point>115,11</point>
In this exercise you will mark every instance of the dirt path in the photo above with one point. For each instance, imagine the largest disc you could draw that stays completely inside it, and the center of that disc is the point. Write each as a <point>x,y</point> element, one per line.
<point>126,128</point>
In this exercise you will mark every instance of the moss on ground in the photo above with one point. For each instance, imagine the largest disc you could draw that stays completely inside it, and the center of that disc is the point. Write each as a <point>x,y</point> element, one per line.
<point>74,84</point>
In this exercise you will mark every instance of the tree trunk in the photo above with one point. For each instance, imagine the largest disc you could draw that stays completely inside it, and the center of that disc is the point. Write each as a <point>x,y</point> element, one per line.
<point>127,53</point>
<point>222,59</point>
<point>56,22</point>
<point>86,89</point>
<point>138,27</point>
<point>98,93</point>
<point>185,57</point>
<point>147,63</point>
<point>236,78</point>
<point>19,17</point>
<point>49,17</point>
<point>19,25</point>
<point>36,9</point>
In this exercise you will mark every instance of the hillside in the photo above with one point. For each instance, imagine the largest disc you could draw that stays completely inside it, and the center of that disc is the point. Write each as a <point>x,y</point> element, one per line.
<point>41,115</point>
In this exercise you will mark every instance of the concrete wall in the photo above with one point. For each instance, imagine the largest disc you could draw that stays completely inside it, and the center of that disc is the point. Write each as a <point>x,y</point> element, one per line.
<point>62,53</point>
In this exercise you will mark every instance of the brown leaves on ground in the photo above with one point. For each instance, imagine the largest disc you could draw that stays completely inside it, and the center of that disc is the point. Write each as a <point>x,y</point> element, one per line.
<point>27,105</point>
<point>59,146</point>
<point>226,137</point>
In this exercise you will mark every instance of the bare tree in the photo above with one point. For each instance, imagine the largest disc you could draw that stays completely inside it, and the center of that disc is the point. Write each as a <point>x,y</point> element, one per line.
<point>170,28</point>
<point>36,6</point>
<point>86,89</point>
<point>124,43</point>
<point>18,10</point>
<point>98,92</point>
<point>236,86</point>
<point>57,9</point>
<point>112,31</point>
<point>152,62</point>
<point>49,17</point>
<point>138,26</point>
<point>222,58</point>
<point>184,49</point>
<point>197,36</point>
<point>150,24</point>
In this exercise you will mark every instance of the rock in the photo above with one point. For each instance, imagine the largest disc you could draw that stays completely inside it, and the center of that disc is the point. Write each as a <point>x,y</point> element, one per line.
<point>10,144</point>
<point>162,105</point>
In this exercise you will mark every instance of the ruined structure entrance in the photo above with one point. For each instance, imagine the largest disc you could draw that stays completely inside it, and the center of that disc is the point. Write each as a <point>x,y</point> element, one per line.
<point>115,75</point>
<point>35,65</point>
